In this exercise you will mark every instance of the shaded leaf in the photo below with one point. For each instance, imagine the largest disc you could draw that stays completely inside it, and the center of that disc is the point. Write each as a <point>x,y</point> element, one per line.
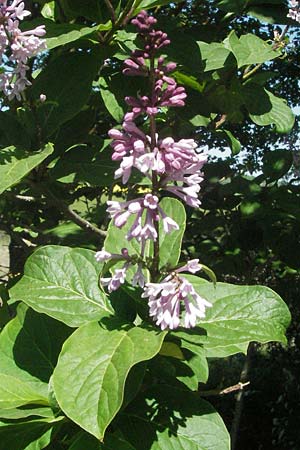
<point>181,420</point>
<point>29,347</point>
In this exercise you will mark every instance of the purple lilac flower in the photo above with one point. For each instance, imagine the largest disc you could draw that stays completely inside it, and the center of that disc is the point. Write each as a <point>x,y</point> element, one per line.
<point>294,11</point>
<point>119,275</point>
<point>19,45</point>
<point>114,282</point>
<point>167,298</point>
<point>146,212</point>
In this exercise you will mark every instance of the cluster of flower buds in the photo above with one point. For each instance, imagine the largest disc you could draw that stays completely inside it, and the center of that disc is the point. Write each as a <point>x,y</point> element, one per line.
<point>16,47</point>
<point>173,166</point>
<point>294,11</point>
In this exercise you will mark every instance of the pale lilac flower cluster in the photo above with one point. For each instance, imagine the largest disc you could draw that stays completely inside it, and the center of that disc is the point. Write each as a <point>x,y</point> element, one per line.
<point>16,47</point>
<point>294,11</point>
<point>177,164</point>
<point>119,275</point>
<point>170,165</point>
<point>146,211</point>
<point>167,298</point>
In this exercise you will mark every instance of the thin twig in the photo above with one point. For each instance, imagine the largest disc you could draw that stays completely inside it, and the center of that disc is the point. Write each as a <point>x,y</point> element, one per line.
<point>111,10</point>
<point>69,212</point>
<point>214,392</point>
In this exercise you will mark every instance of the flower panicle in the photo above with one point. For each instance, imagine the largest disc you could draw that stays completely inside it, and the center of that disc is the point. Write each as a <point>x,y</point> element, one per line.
<point>171,166</point>
<point>16,48</point>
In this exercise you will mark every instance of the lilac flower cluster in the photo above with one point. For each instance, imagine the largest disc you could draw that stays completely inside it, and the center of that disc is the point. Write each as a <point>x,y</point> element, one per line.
<point>166,297</point>
<point>173,166</point>
<point>16,47</point>
<point>294,11</point>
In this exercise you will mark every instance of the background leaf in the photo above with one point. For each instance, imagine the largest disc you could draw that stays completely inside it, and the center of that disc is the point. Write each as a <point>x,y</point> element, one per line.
<point>16,164</point>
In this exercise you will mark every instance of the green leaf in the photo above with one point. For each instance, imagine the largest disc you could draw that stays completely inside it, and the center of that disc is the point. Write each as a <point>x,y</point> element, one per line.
<point>23,435</point>
<point>62,34</point>
<point>116,240</point>
<point>4,312</point>
<point>110,100</point>
<point>170,244</point>
<point>48,10</point>
<point>16,164</point>
<point>171,349</point>
<point>267,109</point>
<point>62,282</point>
<point>197,362</point>
<point>25,412</point>
<point>86,441</point>
<point>29,347</point>
<point>96,360</point>
<point>171,418</point>
<point>14,391</point>
<point>89,442</point>
<point>277,163</point>
<point>147,4</point>
<point>12,131</point>
<point>241,314</point>
<point>250,49</point>
<point>82,163</point>
<point>90,9</point>
<point>270,12</point>
<point>59,81</point>
<point>234,143</point>
<point>214,55</point>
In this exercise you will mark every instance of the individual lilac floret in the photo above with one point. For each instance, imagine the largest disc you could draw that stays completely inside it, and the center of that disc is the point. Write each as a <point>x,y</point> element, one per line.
<point>294,11</point>
<point>167,298</point>
<point>114,282</point>
<point>146,212</point>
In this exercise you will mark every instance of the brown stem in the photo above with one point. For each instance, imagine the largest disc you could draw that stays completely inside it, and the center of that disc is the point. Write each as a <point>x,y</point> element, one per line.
<point>111,10</point>
<point>155,182</point>
<point>69,213</point>
<point>240,399</point>
<point>121,21</point>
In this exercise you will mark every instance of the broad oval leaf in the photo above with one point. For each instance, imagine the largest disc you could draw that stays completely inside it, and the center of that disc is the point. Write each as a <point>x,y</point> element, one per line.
<point>241,314</point>
<point>58,81</point>
<point>62,282</point>
<point>267,109</point>
<point>250,49</point>
<point>181,420</point>
<point>92,369</point>
<point>29,347</point>
<point>16,163</point>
